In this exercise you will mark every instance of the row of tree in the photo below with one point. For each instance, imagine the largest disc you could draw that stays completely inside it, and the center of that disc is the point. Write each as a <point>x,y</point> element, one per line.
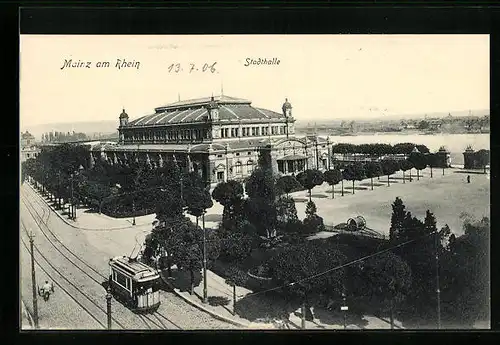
<point>61,137</point>
<point>357,171</point>
<point>378,149</point>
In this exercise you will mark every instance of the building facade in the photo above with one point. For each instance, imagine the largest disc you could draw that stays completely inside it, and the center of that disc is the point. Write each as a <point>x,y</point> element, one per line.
<point>28,147</point>
<point>219,137</point>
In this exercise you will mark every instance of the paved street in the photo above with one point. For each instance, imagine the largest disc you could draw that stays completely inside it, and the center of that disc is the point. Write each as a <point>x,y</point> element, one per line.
<point>77,268</point>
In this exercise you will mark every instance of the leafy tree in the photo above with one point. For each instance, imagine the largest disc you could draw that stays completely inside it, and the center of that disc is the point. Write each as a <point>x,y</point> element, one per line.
<point>97,193</point>
<point>295,265</point>
<point>309,179</point>
<point>354,172</point>
<point>188,243</point>
<point>422,149</point>
<point>333,177</point>
<point>230,195</point>
<point>262,214</point>
<point>419,162</point>
<point>261,184</point>
<point>423,125</point>
<point>285,210</point>
<point>387,279</point>
<point>197,197</point>
<point>236,247</point>
<point>403,148</point>
<point>405,166</point>
<point>373,169</point>
<point>150,250</point>
<point>389,167</point>
<point>260,206</point>
<point>465,273</point>
<point>420,255</point>
<point>483,158</point>
<point>167,206</point>
<point>397,219</point>
<point>287,184</point>
<point>432,161</point>
<point>187,251</point>
<point>312,222</point>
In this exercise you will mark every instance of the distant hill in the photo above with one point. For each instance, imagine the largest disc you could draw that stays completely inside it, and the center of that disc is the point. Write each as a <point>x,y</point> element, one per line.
<point>90,128</point>
<point>391,117</point>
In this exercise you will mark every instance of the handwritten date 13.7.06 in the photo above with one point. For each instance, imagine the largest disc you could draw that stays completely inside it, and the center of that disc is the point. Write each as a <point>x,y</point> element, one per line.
<point>192,68</point>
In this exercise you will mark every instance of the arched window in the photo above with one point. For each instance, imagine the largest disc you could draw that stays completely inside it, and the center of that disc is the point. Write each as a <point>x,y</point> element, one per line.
<point>249,167</point>
<point>238,167</point>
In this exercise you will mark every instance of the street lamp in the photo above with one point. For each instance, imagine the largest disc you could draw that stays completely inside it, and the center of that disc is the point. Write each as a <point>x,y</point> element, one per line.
<point>78,172</point>
<point>73,204</point>
<point>108,306</point>
<point>72,201</point>
<point>133,210</point>
<point>344,308</point>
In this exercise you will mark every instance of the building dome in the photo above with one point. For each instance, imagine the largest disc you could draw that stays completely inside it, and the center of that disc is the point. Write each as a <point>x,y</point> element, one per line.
<point>123,115</point>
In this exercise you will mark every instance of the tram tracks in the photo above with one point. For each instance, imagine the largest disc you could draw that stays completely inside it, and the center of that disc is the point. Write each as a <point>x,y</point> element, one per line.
<point>41,224</point>
<point>66,290</point>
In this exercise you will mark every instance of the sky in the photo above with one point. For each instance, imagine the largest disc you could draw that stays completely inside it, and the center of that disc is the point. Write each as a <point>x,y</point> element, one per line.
<point>323,76</point>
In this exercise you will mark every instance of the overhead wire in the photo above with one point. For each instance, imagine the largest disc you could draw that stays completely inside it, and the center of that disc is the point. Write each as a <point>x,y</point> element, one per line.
<point>340,266</point>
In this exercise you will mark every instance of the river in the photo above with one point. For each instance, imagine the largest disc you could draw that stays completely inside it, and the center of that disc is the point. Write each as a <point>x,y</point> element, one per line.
<point>455,143</point>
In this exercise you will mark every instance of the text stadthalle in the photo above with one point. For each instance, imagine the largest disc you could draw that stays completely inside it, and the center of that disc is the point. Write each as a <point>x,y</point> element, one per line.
<point>260,61</point>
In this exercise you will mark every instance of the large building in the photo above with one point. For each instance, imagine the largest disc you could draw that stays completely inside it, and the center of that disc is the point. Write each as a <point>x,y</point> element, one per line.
<point>218,137</point>
<point>28,147</point>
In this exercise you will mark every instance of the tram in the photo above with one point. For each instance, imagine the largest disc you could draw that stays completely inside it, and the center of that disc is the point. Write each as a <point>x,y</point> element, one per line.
<point>135,284</point>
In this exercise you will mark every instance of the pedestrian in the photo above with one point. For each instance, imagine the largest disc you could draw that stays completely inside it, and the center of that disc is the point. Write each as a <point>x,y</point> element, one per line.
<point>46,289</point>
<point>468,178</point>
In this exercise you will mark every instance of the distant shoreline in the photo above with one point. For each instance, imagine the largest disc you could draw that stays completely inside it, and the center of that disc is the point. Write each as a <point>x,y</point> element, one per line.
<point>402,133</point>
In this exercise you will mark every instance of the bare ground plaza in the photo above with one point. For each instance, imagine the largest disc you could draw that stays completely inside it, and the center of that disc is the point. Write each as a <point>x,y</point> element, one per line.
<point>97,237</point>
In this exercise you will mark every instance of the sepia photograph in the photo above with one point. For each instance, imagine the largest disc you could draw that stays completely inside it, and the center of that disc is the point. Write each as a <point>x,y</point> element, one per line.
<point>254,182</point>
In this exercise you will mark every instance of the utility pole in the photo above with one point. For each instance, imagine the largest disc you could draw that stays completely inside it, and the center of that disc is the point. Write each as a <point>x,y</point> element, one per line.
<point>392,312</point>
<point>328,149</point>
<point>108,306</point>
<point>303,322</point>
<point>33,282</point>
<point>438,291</point>
<point>234,299</point>
<point>205,295</point>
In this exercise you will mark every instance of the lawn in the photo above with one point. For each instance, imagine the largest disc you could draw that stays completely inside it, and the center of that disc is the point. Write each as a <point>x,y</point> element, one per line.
<point>448,197</point>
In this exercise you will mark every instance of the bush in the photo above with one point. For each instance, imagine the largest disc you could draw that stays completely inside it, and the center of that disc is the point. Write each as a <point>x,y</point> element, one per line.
<point>236,247</point>
<point>314,224</point>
